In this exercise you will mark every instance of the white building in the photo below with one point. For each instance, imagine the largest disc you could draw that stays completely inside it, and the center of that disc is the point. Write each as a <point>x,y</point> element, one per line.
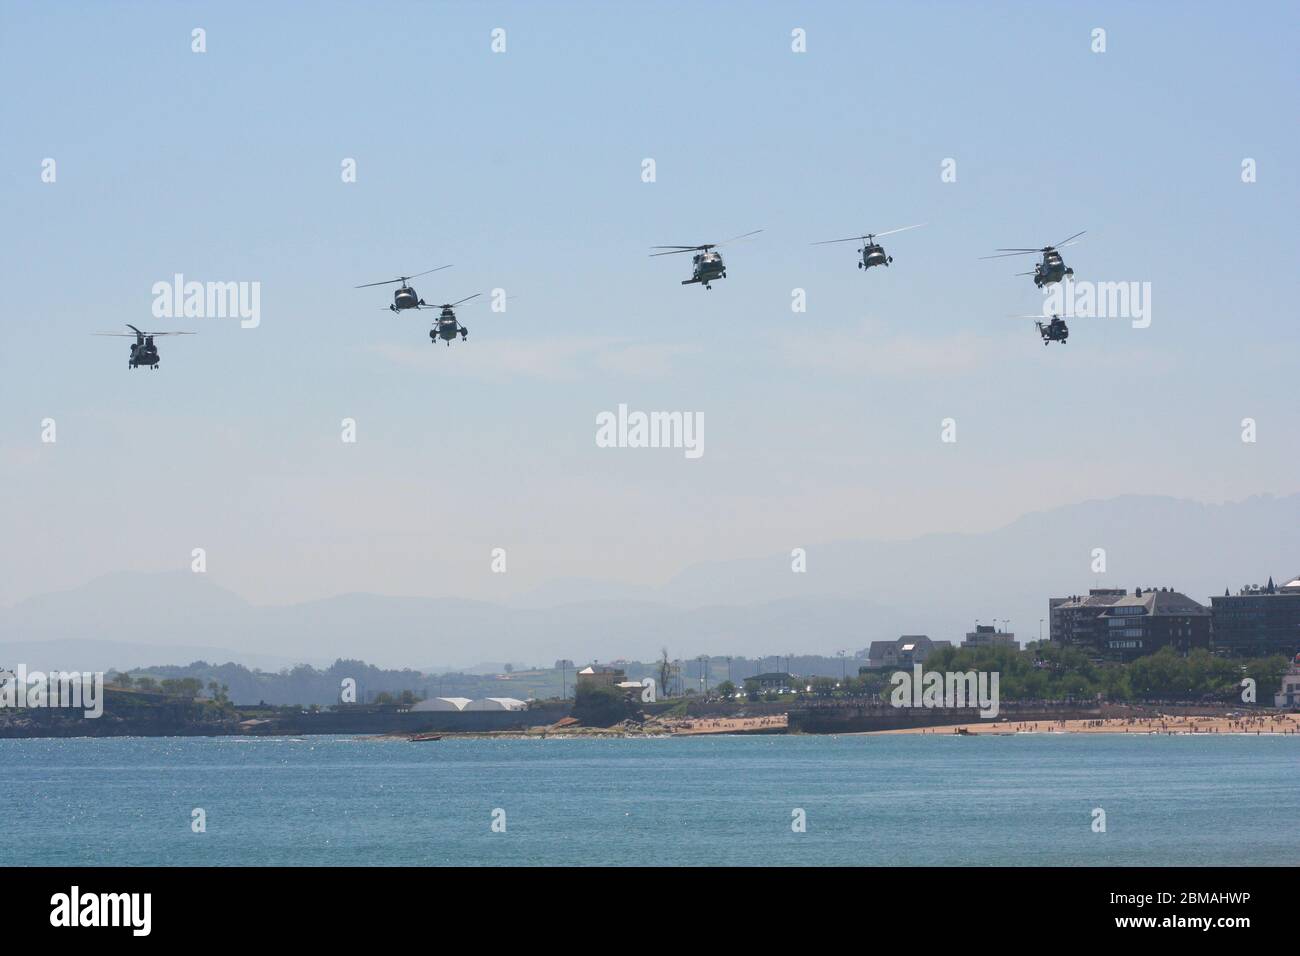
<point>907,650</point>
<point>986,635</point>
<point>442,703</point>
<point>495,703</point>
<point>1289,694</point>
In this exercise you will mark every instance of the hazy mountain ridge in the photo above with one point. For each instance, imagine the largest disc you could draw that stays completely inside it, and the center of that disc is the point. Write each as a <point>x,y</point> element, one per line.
<point>853,592</point>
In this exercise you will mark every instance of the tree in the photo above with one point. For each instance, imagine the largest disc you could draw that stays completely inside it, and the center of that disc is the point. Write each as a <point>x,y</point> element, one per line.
<point>824,686</point>
<point>726,690</point>
<point>600,706</point>
<point>181,686</point>
<point>665,672</point>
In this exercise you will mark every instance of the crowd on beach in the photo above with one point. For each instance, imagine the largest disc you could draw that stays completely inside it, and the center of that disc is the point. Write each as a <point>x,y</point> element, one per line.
<point>723,725</point>
<point>1235,723</point>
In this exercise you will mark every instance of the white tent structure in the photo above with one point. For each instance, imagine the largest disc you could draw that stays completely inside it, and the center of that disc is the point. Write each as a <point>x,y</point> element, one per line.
<point>496,703</point>
<point>443,703</point>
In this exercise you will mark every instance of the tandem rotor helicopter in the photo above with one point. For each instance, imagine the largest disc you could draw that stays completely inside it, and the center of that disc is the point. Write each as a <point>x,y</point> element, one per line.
<point>405,297</point>
<point>707,264</point>
<point>1051,269</point>
<point>143,351</point>
<point>872,252</point>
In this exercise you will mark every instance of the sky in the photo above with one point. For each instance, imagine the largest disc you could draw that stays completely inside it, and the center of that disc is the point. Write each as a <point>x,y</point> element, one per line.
<point>524,169</point>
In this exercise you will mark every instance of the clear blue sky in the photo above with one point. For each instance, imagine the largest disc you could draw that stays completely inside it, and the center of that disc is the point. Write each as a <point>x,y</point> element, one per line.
<point>523,169</point>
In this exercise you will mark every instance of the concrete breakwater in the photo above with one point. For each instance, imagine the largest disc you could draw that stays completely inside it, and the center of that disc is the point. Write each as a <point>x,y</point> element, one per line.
<point>408,722</point>
<point>184,719</point>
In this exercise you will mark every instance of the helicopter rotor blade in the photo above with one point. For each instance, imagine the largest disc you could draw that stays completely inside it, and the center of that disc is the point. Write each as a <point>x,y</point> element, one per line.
<point>745,235</point>
<point>826,242</point>
<point>466,299</point>
<point>702,247</point>
<point>903,229</point>
<point>1071,239</point>
<point>136,335</point>
<point>402,278</point>
<point>1007,254</point>
<point>427,271</point>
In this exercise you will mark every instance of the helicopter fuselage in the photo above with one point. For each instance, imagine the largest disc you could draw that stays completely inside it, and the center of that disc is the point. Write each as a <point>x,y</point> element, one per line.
<point>144,354</point>
<point>1054,331</point>
<point>406,298</point>
<point>1051,269</point>
<point>873,254</point>
<point>447,327</point>
<point>708,266</point>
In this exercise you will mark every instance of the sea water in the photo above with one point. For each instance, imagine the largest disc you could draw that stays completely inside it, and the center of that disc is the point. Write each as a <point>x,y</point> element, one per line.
<point>865,800</point>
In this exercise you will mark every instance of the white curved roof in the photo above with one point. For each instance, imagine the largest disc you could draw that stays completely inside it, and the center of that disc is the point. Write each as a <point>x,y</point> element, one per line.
<point>495,703</point>
<point>442,703</point>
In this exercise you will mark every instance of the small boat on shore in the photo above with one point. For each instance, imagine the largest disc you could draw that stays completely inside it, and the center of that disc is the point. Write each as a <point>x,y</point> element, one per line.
<point>421,738</point>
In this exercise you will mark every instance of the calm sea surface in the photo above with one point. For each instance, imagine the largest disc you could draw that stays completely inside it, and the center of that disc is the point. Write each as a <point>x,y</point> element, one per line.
<point>695,801</point>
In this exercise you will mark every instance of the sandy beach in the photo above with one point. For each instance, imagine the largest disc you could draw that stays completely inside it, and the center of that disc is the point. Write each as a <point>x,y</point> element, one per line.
<point>723,725</point>
<point>1165,724</point>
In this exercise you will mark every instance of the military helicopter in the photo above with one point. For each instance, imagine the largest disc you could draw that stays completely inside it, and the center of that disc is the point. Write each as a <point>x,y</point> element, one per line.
<point>405,297</point>
<point>143,351</point>
<point>708,265</point>
<point>872,252</point>
<point>1051,269</point>
<point>1054,331</point>
<point>447,326</point>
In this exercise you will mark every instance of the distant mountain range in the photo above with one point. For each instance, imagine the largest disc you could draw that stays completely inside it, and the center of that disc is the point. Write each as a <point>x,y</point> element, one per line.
<point>852,593</point>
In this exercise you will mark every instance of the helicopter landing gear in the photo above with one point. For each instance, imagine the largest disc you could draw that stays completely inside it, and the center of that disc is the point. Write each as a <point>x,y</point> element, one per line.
<point>889,260</point>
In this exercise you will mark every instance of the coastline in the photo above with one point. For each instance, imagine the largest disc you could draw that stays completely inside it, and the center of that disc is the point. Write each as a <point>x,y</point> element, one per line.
<point>1247,725</point>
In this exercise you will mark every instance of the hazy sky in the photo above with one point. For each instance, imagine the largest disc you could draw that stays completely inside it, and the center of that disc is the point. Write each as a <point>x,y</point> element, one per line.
<point>523,168</point>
